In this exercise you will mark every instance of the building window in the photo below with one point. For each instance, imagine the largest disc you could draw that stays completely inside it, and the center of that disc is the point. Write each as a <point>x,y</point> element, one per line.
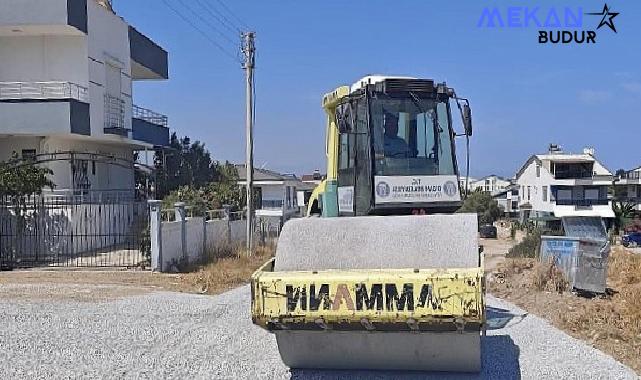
<point>545,193</point>
<point>564,195</point>
<point>529,193</point>
<point>591,194</point>
<point>538,171</point>
<point>29,155</point>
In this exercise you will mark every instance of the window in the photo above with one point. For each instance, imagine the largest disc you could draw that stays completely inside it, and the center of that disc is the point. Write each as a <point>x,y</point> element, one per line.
<point>29,154</point>
<point>591,194</point>
<point>538,171</point>
<point>528,193</point>
<point>545,193</point>
<point>412,135</point>
<point>564,194</point>
<point>346,151</point>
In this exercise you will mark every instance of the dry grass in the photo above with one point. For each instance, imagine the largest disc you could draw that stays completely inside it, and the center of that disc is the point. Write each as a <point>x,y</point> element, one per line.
<point>547,277</point>
<point>227,272</point>
<point>611,323</point>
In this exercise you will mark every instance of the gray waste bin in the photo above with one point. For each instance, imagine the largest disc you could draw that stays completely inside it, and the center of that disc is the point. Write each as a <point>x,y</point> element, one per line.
<point>582,254</point>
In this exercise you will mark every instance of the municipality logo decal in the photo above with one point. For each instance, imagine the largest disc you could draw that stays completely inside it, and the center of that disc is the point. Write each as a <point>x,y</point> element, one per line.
<point>449,188</point>
<point>554,25</point>
<point>382,189</point>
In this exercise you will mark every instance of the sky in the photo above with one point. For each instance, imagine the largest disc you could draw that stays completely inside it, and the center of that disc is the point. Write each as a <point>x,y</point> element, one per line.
<point>524,95</point>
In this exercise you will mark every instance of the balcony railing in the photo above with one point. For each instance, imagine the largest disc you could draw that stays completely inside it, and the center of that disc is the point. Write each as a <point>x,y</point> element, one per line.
<point>632,175</point>
<point>42,90</point>
<point>272,204</point>
<point>149,116</point>
<point>115,116</point>
<point>582,202</point>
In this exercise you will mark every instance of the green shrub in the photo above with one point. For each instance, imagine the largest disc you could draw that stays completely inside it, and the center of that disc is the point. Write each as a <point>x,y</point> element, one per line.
<point>528,247</point>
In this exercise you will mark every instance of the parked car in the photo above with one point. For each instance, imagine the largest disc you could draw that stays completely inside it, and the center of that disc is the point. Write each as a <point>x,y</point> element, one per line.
<point>632,239</point>
<point>487,231</point>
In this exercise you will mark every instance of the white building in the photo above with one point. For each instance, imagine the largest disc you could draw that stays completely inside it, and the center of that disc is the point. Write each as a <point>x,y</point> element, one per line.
<point>276,195</point>
<point>66,73</point>
<point>560,184</point>
<point>492,184</point>
<point>466,181</point>
<point>628,187</point>
<point>508,200</point>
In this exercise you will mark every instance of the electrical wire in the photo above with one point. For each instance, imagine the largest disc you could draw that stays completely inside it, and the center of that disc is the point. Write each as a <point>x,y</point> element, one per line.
<point>224,21</point>
<point>242,24</point>
<point>208,23</point>
<point>199,30</point>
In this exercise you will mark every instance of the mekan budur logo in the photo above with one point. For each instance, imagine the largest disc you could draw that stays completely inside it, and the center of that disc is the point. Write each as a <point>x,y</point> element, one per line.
<point>564,25</point>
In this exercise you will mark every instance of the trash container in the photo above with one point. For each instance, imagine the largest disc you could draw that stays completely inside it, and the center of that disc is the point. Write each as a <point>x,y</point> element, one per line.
<point>581,254</point>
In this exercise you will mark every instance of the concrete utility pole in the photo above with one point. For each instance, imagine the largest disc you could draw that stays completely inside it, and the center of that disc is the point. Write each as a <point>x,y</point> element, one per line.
<point>249,51</point>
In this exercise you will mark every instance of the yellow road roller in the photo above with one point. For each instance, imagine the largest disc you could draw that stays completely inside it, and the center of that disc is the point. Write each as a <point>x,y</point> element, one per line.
<point>383,273</point>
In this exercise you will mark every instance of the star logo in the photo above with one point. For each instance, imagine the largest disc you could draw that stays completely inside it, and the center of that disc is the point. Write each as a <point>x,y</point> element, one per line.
<point>607,18</point>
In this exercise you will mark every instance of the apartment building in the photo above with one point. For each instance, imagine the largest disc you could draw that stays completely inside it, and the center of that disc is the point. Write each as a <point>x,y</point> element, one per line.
<point>492,184</point>
<point>66,100</point>
<point>628,187</point>
<point>558,184</point>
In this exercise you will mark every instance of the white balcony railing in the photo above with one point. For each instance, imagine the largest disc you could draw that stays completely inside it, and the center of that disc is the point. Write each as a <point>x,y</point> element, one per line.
<point>42,90</point>
<point>149,116</point>
<point>115,115</point>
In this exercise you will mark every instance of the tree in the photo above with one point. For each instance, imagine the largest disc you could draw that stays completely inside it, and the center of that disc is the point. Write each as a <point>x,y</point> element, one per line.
<point>483,205</point>
<point>183,164</point>
<point>623,212</point>
<point>19,178</point>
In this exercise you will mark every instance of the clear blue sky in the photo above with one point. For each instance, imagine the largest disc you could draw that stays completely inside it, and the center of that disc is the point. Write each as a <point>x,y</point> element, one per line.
<point>524,95</point>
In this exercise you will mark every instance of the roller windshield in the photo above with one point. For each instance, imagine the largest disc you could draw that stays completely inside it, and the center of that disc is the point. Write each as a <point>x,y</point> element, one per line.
<point>411,136</point>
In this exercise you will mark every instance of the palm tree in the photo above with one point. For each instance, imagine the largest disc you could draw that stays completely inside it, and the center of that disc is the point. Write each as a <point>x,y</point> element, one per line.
<point>622,212</point>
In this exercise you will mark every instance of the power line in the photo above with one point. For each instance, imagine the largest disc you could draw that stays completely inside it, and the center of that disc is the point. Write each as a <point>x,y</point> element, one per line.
<point>211,40</point>
<point>219,16</point>
<point>232,14</point>
<point>208,23</point>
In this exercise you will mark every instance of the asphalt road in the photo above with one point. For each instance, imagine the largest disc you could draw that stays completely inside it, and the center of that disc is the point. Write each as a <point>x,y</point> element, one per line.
<point>179,336</point>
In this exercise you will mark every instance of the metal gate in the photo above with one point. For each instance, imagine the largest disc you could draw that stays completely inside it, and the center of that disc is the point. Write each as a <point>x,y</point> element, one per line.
<point>73,230</point>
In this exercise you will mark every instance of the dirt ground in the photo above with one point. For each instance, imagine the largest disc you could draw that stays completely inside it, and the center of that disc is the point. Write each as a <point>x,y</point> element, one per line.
<point>102,285</point>
<point>494,251</point>
<point>610,323</point>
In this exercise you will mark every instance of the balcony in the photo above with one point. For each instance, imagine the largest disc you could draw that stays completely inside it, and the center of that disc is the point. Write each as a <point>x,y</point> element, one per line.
<point>632,175</point>
<point>148,59</point>
<point>150,126</point>
<point>582,202</point>
<point>25,91</point>
<point>272,204</point>
<point>149,116</point>
<point>50,17</point>
<point>115,116</point>
<point>44,108</point>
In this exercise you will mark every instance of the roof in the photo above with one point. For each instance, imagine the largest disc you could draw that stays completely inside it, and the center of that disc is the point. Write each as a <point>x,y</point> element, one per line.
<point>263,174</point>
<point>557,157</point>
<point>566,157</point>
<point>371,79</point>
<point>494,175</point>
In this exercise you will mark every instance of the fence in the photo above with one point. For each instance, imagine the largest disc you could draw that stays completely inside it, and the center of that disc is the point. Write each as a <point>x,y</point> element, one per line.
<point>42,90</point>
<point>149,116</point>
<point>177,238</point>
<point>61,230</point>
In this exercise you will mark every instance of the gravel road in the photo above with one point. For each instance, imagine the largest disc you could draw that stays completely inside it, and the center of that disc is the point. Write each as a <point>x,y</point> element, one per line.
<point>173,335</point>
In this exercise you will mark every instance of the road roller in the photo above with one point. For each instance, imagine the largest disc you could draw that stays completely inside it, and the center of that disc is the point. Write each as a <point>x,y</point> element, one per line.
<point>383,273</point>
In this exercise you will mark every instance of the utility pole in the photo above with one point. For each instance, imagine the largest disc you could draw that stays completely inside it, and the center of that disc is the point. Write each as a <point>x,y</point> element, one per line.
<point>249,51</point>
